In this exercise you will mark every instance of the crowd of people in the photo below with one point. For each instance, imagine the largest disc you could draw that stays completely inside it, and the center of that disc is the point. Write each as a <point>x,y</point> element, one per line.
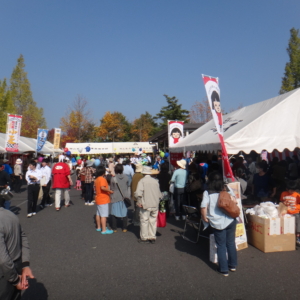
<point>113,184</point>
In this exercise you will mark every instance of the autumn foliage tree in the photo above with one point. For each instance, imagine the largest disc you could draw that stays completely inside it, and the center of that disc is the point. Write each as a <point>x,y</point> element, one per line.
<point>77,125</point>
<point>143,127</point>
<point>114,127</point>
<point>21,95</point>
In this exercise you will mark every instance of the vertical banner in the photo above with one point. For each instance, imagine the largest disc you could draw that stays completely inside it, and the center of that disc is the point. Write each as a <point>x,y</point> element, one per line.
<point>41,139</point>
<point>213,95</point>
<point>175,135</point>
<point>57,132</point>
<point>13,130</point>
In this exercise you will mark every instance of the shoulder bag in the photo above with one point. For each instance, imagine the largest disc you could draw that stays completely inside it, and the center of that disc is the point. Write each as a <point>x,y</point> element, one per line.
<point>228,205</point>
<point>127,201</point>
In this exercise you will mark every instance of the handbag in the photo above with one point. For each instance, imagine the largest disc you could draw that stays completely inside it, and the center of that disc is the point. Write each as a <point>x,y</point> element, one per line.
<point>127,201</point>
<point>228,205</point>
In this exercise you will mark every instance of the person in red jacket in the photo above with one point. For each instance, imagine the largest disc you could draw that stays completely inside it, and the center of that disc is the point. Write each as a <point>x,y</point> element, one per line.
<point>61,183</point>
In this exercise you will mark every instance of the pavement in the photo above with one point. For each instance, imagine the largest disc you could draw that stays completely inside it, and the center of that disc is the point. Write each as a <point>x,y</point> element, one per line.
<point>71,260</point>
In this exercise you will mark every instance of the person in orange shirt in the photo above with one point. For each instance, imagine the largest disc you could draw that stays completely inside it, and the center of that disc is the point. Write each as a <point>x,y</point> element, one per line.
<point>102,200</point>
<point>291,199</point>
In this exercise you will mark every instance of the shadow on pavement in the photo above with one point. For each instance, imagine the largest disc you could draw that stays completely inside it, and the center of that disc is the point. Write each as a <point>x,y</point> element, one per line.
<point>36,291</point>
<point>200,250</point>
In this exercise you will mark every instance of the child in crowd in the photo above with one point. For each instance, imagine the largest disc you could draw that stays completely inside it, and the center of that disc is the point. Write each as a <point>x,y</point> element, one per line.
<point>102,201</point>
<point>291,199</point>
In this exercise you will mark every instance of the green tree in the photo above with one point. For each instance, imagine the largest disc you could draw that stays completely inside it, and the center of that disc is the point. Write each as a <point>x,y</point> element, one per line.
<point>172,111</point>
<point>21,95</point>
<point>143,127</point>
<point>6,104</point>
<point>291,79</point>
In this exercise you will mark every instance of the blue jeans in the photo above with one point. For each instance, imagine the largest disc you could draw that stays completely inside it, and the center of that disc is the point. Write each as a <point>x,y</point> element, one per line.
<point>225,240</point>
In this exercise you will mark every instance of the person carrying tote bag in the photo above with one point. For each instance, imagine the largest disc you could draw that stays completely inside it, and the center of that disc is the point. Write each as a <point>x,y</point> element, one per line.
<point>223,225</point>
<point>119,185</point>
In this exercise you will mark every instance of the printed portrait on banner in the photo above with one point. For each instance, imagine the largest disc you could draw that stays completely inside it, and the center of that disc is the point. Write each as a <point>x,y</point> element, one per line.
<point>213,94</point>
<point>175,132</point>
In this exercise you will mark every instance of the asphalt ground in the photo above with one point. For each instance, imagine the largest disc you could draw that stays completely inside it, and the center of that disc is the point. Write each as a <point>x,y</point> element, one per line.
<point>70,260</point>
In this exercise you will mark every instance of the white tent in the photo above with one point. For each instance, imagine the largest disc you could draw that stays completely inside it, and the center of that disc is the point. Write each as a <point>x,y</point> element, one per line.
<point>28,145</point>
<point>270,124</point>
<point>105,148</point>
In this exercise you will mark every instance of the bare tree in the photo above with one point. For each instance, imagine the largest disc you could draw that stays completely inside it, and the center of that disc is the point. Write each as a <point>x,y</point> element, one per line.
<point>200,112</point>
<point>77,124</point>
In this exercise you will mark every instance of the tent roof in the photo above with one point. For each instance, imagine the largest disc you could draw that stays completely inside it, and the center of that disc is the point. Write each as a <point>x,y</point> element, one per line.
<point>270,124</point>
<point>29,145</point>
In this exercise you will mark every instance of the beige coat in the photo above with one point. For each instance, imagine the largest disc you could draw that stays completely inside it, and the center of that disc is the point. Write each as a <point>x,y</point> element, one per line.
<point>148,193</point>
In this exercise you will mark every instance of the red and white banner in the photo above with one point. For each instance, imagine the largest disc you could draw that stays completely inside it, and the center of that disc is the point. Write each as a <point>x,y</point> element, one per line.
<point>13,131</point>
<point>175,135</point>
<point>213,95</point>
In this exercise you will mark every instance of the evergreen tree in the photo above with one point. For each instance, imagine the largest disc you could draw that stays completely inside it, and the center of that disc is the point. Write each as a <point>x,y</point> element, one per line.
<point>172,111</point>
<point>21,95</point>
<point>6,104</point>
<point>291,79</point>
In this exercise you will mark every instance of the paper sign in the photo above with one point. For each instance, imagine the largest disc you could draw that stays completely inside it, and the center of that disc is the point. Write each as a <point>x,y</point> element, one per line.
<point>274,226</point>
<point>288,224</point>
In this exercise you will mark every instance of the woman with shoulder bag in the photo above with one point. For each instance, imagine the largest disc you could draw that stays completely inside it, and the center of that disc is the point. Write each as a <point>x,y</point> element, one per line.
<point>119,185</point>
<point>223,225</point>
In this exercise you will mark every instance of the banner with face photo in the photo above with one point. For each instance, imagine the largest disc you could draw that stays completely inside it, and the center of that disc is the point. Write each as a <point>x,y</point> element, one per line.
<point>213,95</point>
<point>175,135</point>
<point>13,131</point>
<point>41,139</point>
<point>57,132</point>
<point>175,132</point>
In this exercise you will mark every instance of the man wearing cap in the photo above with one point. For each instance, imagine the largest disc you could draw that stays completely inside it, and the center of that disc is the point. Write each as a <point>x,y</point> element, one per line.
<point>14,256</point>
<point>179,178</point>
<point>61,183</point>
<point>135,180</point>
<point>18,175</point>
<point>148,196</point>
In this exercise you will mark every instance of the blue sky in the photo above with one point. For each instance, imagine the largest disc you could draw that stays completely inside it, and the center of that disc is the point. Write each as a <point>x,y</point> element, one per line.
<point>123,55</point>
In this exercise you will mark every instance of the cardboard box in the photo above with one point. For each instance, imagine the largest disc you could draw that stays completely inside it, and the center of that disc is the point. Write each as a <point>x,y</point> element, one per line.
<point>263,235</point>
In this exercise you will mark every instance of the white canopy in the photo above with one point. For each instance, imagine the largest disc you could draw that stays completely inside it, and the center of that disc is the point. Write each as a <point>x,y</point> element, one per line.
<point>28,145</point>
<point>105,148</point>
<point>270,124</point>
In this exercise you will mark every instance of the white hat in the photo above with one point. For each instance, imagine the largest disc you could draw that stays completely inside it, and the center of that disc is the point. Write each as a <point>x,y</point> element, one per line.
<point>181,163</point>
<point>19,161</point>
<point>139,168</point>
<point>149,171</point>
